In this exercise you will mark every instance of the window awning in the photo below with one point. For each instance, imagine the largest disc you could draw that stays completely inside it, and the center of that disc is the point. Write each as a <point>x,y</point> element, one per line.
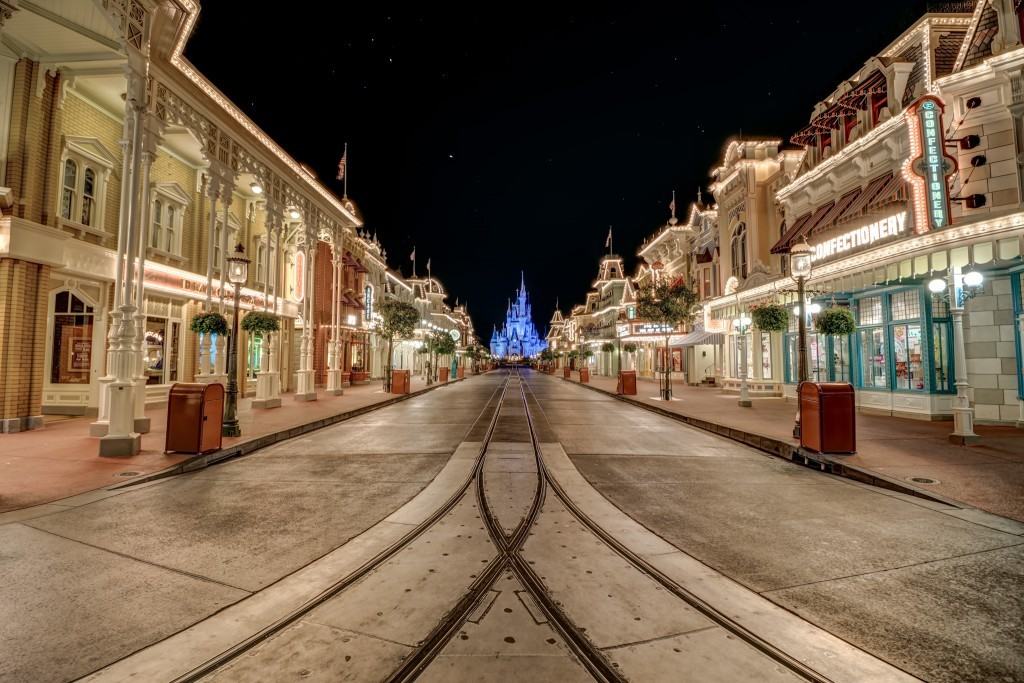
<point>783,244</point>
<point>698,338</point>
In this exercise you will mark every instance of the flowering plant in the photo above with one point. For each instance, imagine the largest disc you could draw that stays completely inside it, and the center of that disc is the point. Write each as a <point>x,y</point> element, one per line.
<point>835,321</point>
<point>258,322</point>
<point>770,317</point>
<point>209,323</point>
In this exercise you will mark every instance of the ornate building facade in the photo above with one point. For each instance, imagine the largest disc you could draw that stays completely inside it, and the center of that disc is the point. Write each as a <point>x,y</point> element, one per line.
<point>518,337</point>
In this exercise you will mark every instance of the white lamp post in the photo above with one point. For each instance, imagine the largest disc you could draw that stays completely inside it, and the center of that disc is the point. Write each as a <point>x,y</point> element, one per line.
<point>742,325</point>
<point>238,271</point>
<point>964,287</point>
<point>800,266</point>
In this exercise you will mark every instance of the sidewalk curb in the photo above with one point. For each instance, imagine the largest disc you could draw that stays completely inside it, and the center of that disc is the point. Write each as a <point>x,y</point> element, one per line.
<point>782,449</point>
<point>199,462</point>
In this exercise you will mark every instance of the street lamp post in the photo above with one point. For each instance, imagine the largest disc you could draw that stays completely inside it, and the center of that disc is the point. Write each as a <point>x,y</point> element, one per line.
<point>800,266</point>
<point>742,324</point>
<point>238,269</point>
<point>962,287</point>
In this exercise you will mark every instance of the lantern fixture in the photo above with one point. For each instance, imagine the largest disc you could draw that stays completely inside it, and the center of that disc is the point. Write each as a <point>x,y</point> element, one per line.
<point>937,286</point>
<point>238,266</point>
<point>800,259</point>
<point>973,278</point>
<point>256,188</point>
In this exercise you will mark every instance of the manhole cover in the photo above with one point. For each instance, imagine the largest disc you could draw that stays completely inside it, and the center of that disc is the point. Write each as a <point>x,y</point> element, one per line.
<point>127,474</point>
<point>923,480</point>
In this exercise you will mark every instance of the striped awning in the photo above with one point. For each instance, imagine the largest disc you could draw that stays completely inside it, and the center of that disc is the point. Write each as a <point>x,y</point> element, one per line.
<point>698,338</point>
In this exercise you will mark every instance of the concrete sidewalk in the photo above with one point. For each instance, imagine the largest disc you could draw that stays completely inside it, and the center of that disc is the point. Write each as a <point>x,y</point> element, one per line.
<point>891,451</point>
<point>62,460</point>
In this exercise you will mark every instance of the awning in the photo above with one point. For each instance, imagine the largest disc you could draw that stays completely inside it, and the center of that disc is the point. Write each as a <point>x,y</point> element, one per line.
<point>699,338</point>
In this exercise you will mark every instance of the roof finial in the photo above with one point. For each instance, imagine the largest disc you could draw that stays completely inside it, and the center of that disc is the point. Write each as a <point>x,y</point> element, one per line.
<point>700,196</point>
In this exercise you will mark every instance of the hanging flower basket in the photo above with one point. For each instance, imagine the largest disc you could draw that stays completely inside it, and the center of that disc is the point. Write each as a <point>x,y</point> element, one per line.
<point>835,322</point>
<point>260,323</point>
<point>607,347</point>
<point>629,347</point>
<point>209,323</point>
<point>770,317</point>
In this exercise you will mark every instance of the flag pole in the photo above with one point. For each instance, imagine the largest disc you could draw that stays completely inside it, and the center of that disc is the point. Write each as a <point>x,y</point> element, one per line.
<point>345,178</point>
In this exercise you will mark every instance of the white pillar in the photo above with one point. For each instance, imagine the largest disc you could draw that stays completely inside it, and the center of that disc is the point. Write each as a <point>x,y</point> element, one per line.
<point>963,413</point>
<point>121,438</point>
<point>334,384</point>
<point>151,139</point>
<point>305,389</point>
<point>220,372</point>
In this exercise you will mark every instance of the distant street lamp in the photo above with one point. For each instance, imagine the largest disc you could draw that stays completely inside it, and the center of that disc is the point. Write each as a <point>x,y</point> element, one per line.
<point>800,266</point>
<point>238,270</point>
<point>742,324</point>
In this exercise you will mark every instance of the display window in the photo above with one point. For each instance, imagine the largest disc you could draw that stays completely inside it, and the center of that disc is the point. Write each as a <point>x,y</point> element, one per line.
<point>161,350</point>
<point>255,356</point>
<point>71,353</point>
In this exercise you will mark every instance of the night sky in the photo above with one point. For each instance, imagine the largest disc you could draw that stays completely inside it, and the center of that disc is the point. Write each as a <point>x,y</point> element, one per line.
<point>508,136</point>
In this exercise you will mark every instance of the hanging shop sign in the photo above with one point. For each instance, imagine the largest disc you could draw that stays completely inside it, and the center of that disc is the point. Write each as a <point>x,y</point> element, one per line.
<point>865,236</point>
<point>929,166</point>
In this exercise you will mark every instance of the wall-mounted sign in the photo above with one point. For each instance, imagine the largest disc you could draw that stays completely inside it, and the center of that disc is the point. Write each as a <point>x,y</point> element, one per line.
<point>865,236</point>
<point>455,334</point>
<point>300,276</point>
<point>194,286</point>
<point>652,328</point>
<point>929,164</point>
<point>368,303</point>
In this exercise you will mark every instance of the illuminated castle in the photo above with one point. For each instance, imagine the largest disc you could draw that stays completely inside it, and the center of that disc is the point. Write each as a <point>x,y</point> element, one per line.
<point>518,337</point>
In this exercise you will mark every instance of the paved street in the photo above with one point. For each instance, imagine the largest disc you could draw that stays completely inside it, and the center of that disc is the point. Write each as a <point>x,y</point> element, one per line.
<point>509,527</point>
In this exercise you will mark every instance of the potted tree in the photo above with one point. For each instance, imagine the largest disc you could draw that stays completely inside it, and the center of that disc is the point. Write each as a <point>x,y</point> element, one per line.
<point>442,344</point>
<point>585,356</point>
<point>670,303</point>
<point>397,320</point>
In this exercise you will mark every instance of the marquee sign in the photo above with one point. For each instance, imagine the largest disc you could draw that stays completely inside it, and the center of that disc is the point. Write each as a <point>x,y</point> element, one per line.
<point>652,328</point>
<point>879,231</point>
<point>929,166</point>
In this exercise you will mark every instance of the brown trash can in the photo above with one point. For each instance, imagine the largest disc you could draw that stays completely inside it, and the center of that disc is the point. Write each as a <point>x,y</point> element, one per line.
<point>627,383</point>
<point>566,372</point>
<point>460,373</point>
<point>195,413</point>
<point>828,417</point>
<point>585,375</point>
<point>442,375</point>
<point>399,381</point>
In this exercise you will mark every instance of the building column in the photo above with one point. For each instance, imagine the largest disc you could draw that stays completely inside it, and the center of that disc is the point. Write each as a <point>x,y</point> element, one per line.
<point>24,308</point>
<point>266,396</point>
<point>305,389</point>
<point>220,372</point>
<point>121,438</point>
<point>334,385</point>
<point>152,136</point>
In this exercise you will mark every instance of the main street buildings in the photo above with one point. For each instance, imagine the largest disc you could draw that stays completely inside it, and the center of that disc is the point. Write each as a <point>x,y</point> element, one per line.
<point>126,180</point>
<point>906,186</point>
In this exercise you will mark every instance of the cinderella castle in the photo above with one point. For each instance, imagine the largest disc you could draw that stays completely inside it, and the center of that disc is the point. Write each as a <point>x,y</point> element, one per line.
<point>518,337</point>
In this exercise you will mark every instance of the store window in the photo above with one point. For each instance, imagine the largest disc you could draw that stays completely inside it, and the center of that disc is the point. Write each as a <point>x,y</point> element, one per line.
<point>161,352</point>
<point>907,342</point>
<point>71,353</point>
<point>255,355</point>
<point>766,355</point>
<point>828,358</point>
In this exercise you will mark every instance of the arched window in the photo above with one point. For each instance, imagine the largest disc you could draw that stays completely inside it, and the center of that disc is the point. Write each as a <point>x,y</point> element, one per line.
<point>88,196</point>
<point>739,251</point>
<point>71,349</point>
<point>171,230</point>
<point>67,200</point>
<point>156,230</point>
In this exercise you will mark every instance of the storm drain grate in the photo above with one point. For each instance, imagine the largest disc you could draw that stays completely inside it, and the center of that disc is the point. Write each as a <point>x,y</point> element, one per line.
<point>127,474</point>
<point>923,480</point>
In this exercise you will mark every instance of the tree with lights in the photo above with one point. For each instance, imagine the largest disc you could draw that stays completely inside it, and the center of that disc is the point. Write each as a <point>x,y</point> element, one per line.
<point>670,303</point>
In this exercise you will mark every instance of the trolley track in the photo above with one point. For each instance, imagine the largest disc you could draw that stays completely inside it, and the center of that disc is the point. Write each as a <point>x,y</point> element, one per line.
<point>365,569</point>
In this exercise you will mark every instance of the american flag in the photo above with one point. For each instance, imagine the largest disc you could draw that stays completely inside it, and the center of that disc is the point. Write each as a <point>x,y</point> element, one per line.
<point>342,163</point>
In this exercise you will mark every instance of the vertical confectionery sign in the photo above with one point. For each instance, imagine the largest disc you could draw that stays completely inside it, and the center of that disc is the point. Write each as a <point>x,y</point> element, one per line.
<point>929,164</point>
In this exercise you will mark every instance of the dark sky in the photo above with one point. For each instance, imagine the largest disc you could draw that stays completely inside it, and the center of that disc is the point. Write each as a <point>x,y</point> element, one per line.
<point>504,136</point>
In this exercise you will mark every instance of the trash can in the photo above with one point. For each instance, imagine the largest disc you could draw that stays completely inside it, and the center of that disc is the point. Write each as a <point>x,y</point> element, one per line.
<point>827,417</point>
<point>627,383</point>
<point>194,416</point>
<point>442,375</point>
<point>566,372</point>
<point>461,372</point>
<point>399,381</point>
<point>585,375</point>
